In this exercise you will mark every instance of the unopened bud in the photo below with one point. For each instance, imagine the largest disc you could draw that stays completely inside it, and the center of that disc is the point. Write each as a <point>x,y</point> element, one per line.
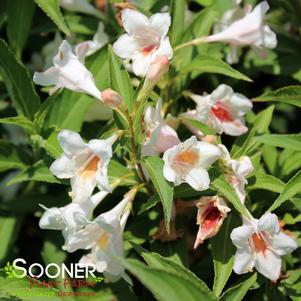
<point>111,98</point>
<point>157,69</point>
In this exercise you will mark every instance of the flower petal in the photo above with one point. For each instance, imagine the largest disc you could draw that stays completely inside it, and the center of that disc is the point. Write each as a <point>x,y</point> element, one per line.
<point>234,128</point>
<point>82,187</point>
<point>47,78</point>
<point>240,104</point>
<point>241,235</point>
<point>141,63</point>
<point>208,154</point>
<point>71,142</point>
<point>102,149</point>
<point>268,264</point>
<point>64,167</point>
<point>198,179</point>
<point>126,46</point>
<point>243,261</point>
<point>102,178</point>
<point>268,223</point>
<point>164,49</point>
<point>51,219</point>
<point>160,22</point>
<point>134,22</point>
<point>283,244</point>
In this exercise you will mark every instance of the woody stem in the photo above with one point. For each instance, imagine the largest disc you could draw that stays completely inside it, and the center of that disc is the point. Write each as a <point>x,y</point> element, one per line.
<point>134,149</point>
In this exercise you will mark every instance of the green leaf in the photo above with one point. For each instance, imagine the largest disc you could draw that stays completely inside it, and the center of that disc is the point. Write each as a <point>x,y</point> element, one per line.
<point>227,191</point>
<point>237,292</point>
<point>150,203</point>
<point>118,171</point>
<point>246,143</point>
<point>19,18</point>
<point>155,260</point>
<point>209,64</point>
<point>266,182</point>
<point>165,285</point>
<point>204,2</point>
<point>290,95</point>
<point>51,149</point>
<point>21,121</point>
<point>177,9</point>
<point>292,187</point>
<point>37,172</point>
<point>175,250</point>
<point>52,10</point>
<point>18,83</point>
<point>154,166</point>
<point>205,129</point>
<point>19,288</point>
<point>291,141</point>
<point>11,157</point>
<point>120,79</point>
<point>68,109</point>
<point>9,229</point>
<point>223,254</point>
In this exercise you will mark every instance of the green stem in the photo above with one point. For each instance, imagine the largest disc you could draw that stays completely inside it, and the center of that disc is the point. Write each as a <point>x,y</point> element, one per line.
<point>190,43</point>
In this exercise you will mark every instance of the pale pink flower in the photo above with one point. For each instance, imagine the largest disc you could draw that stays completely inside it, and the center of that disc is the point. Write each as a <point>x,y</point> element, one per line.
<point>222,110</point>
<point>260,244</point>
<point>145,40</point>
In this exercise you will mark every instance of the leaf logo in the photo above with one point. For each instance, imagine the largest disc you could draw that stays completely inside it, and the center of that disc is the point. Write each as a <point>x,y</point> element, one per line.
<point>9,269</point>
<point>98,279</point>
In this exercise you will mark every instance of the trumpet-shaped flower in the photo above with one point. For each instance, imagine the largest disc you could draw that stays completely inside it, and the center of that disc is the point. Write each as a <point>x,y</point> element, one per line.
<point>236,171</point>
<point>86,164</point>
<point>211,213</point>
<point>222,110</point>
<point>159,135</point>
<point>260,244</point>
<point>188,162</point>
<point>249,29</point>
<point>71,217</point>
<point>81,6</point>
<point>68,72</point>
<point>145,40</point>
<point>104,237</point>
<point>87,48</point>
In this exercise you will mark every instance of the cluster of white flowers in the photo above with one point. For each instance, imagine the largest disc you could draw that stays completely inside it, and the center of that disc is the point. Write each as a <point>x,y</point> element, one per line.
<point>146,50</point>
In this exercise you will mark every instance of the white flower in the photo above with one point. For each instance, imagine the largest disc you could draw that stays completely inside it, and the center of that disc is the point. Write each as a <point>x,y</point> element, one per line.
<point>145,40</point>
<point>87,48</point>
<point>188,162</point>
<point>260,244</point>
<point>222,110</point>
<point>71,217</point>
<point>211,213</point>
<point>68,72</point>
<point>86,164</point>
<point>247,30</point>
<point>237,171</point>
<point>81,6</point>
<point>159,135</point>
<point>105,237</point>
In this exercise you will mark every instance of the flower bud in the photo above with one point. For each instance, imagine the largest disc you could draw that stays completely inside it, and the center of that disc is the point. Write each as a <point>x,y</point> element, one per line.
<point>111,98</point>
<point>157,69</point>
